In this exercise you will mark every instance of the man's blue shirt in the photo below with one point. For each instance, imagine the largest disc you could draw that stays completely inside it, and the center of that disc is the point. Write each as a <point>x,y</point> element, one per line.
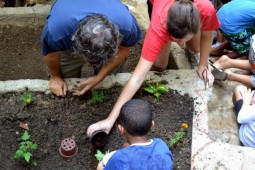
<point>65,15</point>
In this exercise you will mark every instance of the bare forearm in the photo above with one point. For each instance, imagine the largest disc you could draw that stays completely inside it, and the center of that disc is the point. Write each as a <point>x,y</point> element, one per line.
<point>121,55</point>
<point>52,61</point>
<point>127,93</point>
<point>131,87</point>
<point>205,45</point>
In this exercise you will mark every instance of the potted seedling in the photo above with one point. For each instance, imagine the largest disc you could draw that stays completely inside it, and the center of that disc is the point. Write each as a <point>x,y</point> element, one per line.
<point>25,148</point>
<point>97,97</point>
<point>156,89</point>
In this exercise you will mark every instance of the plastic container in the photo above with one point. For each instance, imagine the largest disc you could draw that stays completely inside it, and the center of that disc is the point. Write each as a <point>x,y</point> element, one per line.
<point>98,139</point>
<point>68,148</point>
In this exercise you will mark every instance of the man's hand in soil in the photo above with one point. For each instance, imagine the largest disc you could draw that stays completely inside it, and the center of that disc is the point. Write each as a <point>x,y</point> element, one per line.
<point>86,85</point>
<point>105,125</point>
<point>58,86</point>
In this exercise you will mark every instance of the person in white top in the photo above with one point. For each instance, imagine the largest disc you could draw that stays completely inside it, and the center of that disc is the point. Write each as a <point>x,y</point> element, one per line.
<point>244,102</point>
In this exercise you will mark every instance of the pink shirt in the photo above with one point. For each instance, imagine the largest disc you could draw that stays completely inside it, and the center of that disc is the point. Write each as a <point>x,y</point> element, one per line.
<point>157,36</point>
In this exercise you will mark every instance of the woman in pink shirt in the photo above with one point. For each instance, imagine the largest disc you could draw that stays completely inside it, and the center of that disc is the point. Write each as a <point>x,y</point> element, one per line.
<point>188,23</point>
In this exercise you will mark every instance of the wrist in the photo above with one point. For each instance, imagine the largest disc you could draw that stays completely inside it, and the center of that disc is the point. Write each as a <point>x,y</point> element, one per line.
<point>201,67</point>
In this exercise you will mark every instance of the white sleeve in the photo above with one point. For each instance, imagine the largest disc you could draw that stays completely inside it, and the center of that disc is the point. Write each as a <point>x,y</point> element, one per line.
<point>107,157</point>
<point>246,114</point>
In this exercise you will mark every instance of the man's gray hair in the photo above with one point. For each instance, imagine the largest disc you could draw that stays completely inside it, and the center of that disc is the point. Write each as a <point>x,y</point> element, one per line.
<point>96,40</point>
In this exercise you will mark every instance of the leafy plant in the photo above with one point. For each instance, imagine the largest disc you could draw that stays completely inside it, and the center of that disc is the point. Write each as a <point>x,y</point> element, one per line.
<point>26,98</point>
<point>25,148</point>
<point>157,89</point>
<point>178,135</point>
<point>99,155</point>
<point>97,97</point>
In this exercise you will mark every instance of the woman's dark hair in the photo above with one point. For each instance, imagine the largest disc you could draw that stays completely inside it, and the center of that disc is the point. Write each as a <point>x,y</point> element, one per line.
<point>183,18</point>
<point>136,117</point>
<point>96,40</point>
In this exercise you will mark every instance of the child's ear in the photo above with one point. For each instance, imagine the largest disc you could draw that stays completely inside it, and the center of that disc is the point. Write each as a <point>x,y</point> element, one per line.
<point>121,129</point>
<point>152,126</point>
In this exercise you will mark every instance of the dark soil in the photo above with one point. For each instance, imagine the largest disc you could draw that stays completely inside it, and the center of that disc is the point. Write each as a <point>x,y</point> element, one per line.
<point>51,119</point>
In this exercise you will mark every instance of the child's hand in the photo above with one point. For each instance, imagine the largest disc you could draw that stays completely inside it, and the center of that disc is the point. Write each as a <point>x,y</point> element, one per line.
<point>247,95</point>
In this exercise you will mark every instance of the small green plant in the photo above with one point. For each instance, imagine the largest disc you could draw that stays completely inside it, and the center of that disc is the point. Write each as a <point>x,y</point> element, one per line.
<point>99,155</point>
<point>157,89</point>
<point>25,148</point>
<point>178,135</point>
<point>97,97</point>
<point>26,98</point>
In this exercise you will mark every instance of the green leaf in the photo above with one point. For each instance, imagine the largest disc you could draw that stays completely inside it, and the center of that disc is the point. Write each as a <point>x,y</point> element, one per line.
<point>27,156</point>
<point>34,146</point>
<point>99,155</point>
<point>28,143</point>
<point>157,95</point>
<point>178,137</point>
<point>25,136</point>
<point>162,88</point>
<point>22,147</point>
<point>19,154</point>
<point>22,143</point>
<point>148,89</point>
<point>97,97</point>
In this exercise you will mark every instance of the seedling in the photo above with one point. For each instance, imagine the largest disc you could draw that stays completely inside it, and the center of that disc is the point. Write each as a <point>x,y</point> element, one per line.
<point>178,135</point>
<point>100,155</point>
<point>156,89</point>
<point>97,97</point>
<point>26,98</point>
<point>25,148</point>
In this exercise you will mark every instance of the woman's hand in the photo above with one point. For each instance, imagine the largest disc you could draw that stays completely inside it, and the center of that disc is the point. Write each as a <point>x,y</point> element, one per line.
<point>206,76</point>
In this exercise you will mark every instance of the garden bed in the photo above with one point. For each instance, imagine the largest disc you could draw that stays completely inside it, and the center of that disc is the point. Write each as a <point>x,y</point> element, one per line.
<point>51,119</point>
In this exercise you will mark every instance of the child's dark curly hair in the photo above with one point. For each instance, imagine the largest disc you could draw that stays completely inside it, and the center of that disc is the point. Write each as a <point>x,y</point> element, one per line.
<point>136,117</point>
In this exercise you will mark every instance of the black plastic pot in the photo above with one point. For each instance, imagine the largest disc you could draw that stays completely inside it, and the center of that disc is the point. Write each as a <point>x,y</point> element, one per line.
<point>98,139</point>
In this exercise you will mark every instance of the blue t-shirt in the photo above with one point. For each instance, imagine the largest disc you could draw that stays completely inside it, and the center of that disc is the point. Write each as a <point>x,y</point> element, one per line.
<point>155,156</point>
<point>65,15</point>
<point>236,16</point>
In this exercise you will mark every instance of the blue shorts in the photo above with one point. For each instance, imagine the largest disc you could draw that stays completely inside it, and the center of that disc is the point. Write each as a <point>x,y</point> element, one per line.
<point>238,106</point>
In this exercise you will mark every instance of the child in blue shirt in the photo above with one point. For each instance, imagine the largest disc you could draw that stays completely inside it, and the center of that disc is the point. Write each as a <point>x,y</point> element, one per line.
<point>134,122</point>
<point>237,20</point>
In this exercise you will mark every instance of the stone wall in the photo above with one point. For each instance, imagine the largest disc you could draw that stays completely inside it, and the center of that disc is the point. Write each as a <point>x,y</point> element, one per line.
<point>22,3</point>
